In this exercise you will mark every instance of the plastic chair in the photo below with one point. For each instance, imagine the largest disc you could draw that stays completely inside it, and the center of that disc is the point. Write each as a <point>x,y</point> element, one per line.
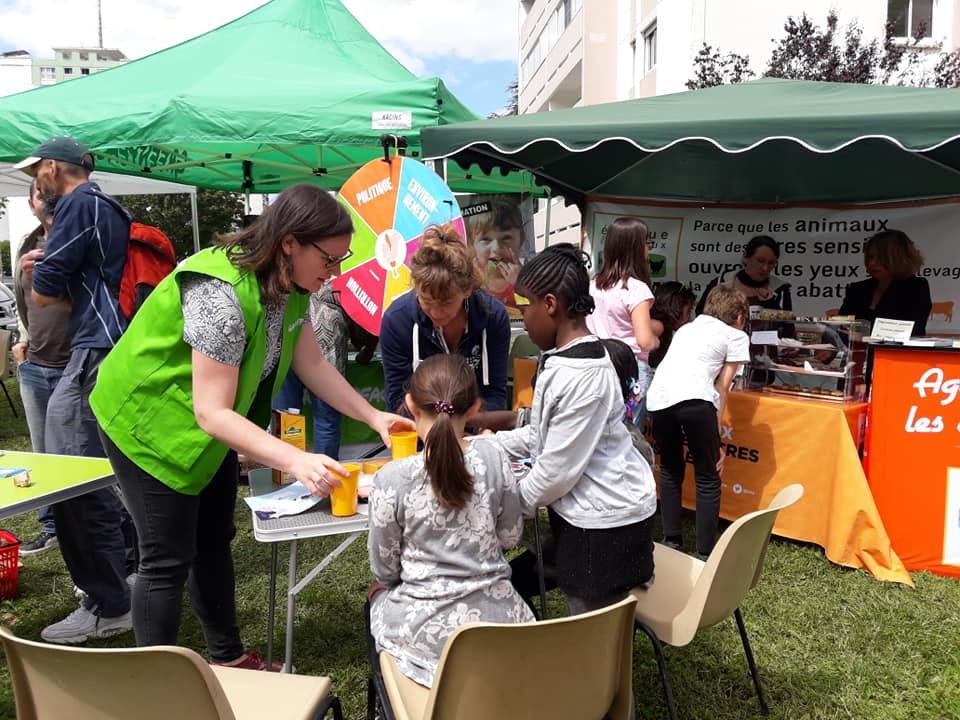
<point>5,367</point>
<point>574,668</point>
<point>688,594</point>
<point>153,683</point>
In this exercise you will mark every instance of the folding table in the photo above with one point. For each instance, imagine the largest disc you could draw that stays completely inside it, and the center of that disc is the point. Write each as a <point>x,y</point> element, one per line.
<point>55,478</point>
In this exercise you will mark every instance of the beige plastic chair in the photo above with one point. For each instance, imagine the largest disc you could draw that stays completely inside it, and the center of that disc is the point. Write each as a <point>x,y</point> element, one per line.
<point>5,368</point>
<point>688,594</point>
<point>153,683</point>
<point>576,668</point>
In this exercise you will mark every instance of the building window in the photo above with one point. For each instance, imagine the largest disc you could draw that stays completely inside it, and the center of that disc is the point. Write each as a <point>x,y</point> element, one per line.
<point>84,56</point>
<point>48,74</point>
<point>66,54</point>
<point>84,71</point>
<point>910,18</point>
<point>650,48</point>
<point>102,58</point>
<point>68,71</point>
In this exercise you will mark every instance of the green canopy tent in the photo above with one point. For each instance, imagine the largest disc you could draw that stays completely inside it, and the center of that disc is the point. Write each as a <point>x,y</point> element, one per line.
<point>767,141</point>
<point>294,91</point>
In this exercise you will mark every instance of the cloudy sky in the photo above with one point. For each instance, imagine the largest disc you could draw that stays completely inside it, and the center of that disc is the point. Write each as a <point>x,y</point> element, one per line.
<point>471,44</point>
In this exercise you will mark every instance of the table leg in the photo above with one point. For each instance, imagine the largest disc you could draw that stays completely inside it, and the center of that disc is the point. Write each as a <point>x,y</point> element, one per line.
<point>540,580</point>
<point>291,607</point>
<point>272,603</point>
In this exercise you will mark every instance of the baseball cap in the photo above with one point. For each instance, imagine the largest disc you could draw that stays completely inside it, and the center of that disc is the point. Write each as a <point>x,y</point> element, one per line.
<point>65,149</point>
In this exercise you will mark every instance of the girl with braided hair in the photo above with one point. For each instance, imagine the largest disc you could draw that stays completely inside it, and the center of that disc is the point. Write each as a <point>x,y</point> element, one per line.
<point>439,523</point>
<point>597,486</point>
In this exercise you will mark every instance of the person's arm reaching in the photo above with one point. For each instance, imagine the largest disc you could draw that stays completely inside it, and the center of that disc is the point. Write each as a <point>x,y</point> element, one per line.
<point>722,385</point>
<point>326,383</point>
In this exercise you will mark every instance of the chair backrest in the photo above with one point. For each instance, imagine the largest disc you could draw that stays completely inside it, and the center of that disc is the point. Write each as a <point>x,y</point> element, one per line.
<point>4,354</point>
<point>576,668</point>
<point>735,564</point>
<point>154,683</point>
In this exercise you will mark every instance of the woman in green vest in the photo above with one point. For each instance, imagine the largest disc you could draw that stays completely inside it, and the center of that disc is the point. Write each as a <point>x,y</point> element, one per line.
<point>189,386</point>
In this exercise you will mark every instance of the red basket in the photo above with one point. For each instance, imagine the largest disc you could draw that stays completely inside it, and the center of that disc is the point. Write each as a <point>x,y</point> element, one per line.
<point>9,564</point>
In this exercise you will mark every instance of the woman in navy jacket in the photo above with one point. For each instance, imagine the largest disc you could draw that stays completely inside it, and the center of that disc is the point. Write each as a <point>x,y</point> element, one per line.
<point>445,313</point>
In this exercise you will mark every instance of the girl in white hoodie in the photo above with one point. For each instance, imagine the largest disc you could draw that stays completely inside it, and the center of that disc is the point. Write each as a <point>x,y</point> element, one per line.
<point>598,488</point>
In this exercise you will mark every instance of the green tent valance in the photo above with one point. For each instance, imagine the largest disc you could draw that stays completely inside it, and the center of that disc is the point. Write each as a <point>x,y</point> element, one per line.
<point>770,140</point>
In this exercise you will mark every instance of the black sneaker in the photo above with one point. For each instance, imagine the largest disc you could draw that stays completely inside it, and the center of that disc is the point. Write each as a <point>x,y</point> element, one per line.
<point>40,544</point>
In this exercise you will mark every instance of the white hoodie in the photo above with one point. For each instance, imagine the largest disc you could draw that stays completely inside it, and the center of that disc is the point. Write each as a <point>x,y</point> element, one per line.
<point>585,466</point>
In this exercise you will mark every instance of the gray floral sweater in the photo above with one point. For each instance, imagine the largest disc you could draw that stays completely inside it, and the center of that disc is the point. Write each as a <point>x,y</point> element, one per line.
<point>443,568</point>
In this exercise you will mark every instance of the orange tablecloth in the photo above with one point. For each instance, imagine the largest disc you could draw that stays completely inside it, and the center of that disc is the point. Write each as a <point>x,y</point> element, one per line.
<point>774,441</point>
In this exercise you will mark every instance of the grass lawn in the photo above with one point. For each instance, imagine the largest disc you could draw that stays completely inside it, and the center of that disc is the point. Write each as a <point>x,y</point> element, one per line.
<point>830,643</point>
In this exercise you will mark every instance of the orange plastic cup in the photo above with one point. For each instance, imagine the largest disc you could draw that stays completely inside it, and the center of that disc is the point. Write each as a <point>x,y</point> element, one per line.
<point>343,499</point>
<point>371,466</point>
<point>404,444</point>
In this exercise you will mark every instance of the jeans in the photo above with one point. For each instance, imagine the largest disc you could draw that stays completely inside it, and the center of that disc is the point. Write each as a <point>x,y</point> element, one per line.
<point>184,540</point>
<point>326,420</point>
<point>37,383</point>
<point>697,421</point>
<point>96,536</point>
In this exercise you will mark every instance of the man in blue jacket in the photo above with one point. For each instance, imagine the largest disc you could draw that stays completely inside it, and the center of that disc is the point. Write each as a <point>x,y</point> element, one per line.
<point>81,267</point>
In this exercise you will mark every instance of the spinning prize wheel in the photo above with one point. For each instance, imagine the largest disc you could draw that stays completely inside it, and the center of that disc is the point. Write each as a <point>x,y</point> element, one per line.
<point>391,202</point>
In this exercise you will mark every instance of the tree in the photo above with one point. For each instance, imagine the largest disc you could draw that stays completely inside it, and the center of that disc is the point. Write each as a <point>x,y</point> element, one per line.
<point>219,212</point>
<point>710,68</point>
<point>513,101</point>
<point>808,52</point>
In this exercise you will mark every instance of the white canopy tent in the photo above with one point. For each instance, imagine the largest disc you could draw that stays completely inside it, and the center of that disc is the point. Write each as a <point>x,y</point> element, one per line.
<point>16,184</point>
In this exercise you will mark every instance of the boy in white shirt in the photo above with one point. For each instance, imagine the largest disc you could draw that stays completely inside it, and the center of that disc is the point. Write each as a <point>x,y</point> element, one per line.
<point>686,399</point>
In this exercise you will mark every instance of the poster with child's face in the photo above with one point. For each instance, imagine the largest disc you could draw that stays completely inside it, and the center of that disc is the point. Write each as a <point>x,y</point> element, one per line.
<point>500,232</point>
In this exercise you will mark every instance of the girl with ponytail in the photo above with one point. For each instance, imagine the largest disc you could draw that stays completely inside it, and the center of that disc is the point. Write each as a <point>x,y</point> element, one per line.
<point>596,484</point>
<point>439,523</point>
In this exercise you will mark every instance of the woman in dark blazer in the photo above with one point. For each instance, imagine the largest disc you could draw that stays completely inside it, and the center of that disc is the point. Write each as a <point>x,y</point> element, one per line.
<point>894,290</point>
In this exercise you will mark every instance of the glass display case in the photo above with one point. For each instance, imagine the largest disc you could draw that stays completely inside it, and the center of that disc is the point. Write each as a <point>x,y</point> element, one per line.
<point>808,357</point>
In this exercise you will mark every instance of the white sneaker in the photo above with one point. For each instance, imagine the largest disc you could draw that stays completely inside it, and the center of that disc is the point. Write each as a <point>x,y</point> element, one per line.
<point>82,625</point>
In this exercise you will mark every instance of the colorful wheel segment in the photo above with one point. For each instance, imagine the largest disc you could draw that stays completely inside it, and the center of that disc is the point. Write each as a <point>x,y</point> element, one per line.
<point>391,204</point>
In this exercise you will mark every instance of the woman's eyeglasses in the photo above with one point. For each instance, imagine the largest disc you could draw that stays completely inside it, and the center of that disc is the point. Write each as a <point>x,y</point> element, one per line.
<point>333,260</point>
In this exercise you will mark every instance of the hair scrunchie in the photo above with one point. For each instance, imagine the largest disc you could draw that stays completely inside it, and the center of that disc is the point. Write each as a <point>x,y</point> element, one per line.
<point>441,406</point>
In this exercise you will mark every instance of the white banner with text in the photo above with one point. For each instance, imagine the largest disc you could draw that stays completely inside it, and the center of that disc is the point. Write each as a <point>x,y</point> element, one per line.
<point>821,248</point>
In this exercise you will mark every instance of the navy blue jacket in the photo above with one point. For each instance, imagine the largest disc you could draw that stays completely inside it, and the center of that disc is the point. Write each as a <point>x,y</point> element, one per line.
<point>407,336</point>
<point>84,259</point>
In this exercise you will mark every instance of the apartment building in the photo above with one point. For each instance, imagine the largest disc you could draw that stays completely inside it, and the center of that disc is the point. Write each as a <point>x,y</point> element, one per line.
<point>21,71</point>
<point>586,52</point>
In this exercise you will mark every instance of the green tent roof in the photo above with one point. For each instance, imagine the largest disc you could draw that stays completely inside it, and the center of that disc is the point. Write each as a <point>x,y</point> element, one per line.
<point>284,94</point>
<point>764,141</point>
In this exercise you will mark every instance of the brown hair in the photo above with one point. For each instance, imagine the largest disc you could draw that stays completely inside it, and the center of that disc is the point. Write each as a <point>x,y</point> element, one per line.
<point>726,304</point>
<point>443,264</point>
<point>443,386</point>
<point>624,253</point>
<point>308,213</point>
<point>896,252</point>
<point>503,214</point>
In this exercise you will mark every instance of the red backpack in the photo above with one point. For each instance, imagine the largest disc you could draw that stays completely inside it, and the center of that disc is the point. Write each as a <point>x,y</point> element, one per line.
<point>150,258</point>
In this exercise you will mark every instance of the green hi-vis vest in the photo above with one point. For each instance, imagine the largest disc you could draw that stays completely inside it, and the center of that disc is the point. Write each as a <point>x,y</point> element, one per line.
<point>143,398</point>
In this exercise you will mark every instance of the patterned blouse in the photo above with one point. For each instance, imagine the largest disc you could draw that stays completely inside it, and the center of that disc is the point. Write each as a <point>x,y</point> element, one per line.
<point>213,322</point>
<point>443,568</point>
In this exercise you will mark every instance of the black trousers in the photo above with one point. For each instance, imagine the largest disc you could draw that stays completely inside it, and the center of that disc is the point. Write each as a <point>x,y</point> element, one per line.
<point>184,541</point>
<point>696,422</point>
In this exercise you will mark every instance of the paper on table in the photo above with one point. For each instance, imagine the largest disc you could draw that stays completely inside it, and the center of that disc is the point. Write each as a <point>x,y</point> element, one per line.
<point>764,337</point>
<point>892,330</point>
<point>291,499</point>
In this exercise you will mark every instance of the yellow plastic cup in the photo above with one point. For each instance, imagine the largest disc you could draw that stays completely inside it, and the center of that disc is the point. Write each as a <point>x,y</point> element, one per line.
<point>343,499</point>
<point>404,444</point>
